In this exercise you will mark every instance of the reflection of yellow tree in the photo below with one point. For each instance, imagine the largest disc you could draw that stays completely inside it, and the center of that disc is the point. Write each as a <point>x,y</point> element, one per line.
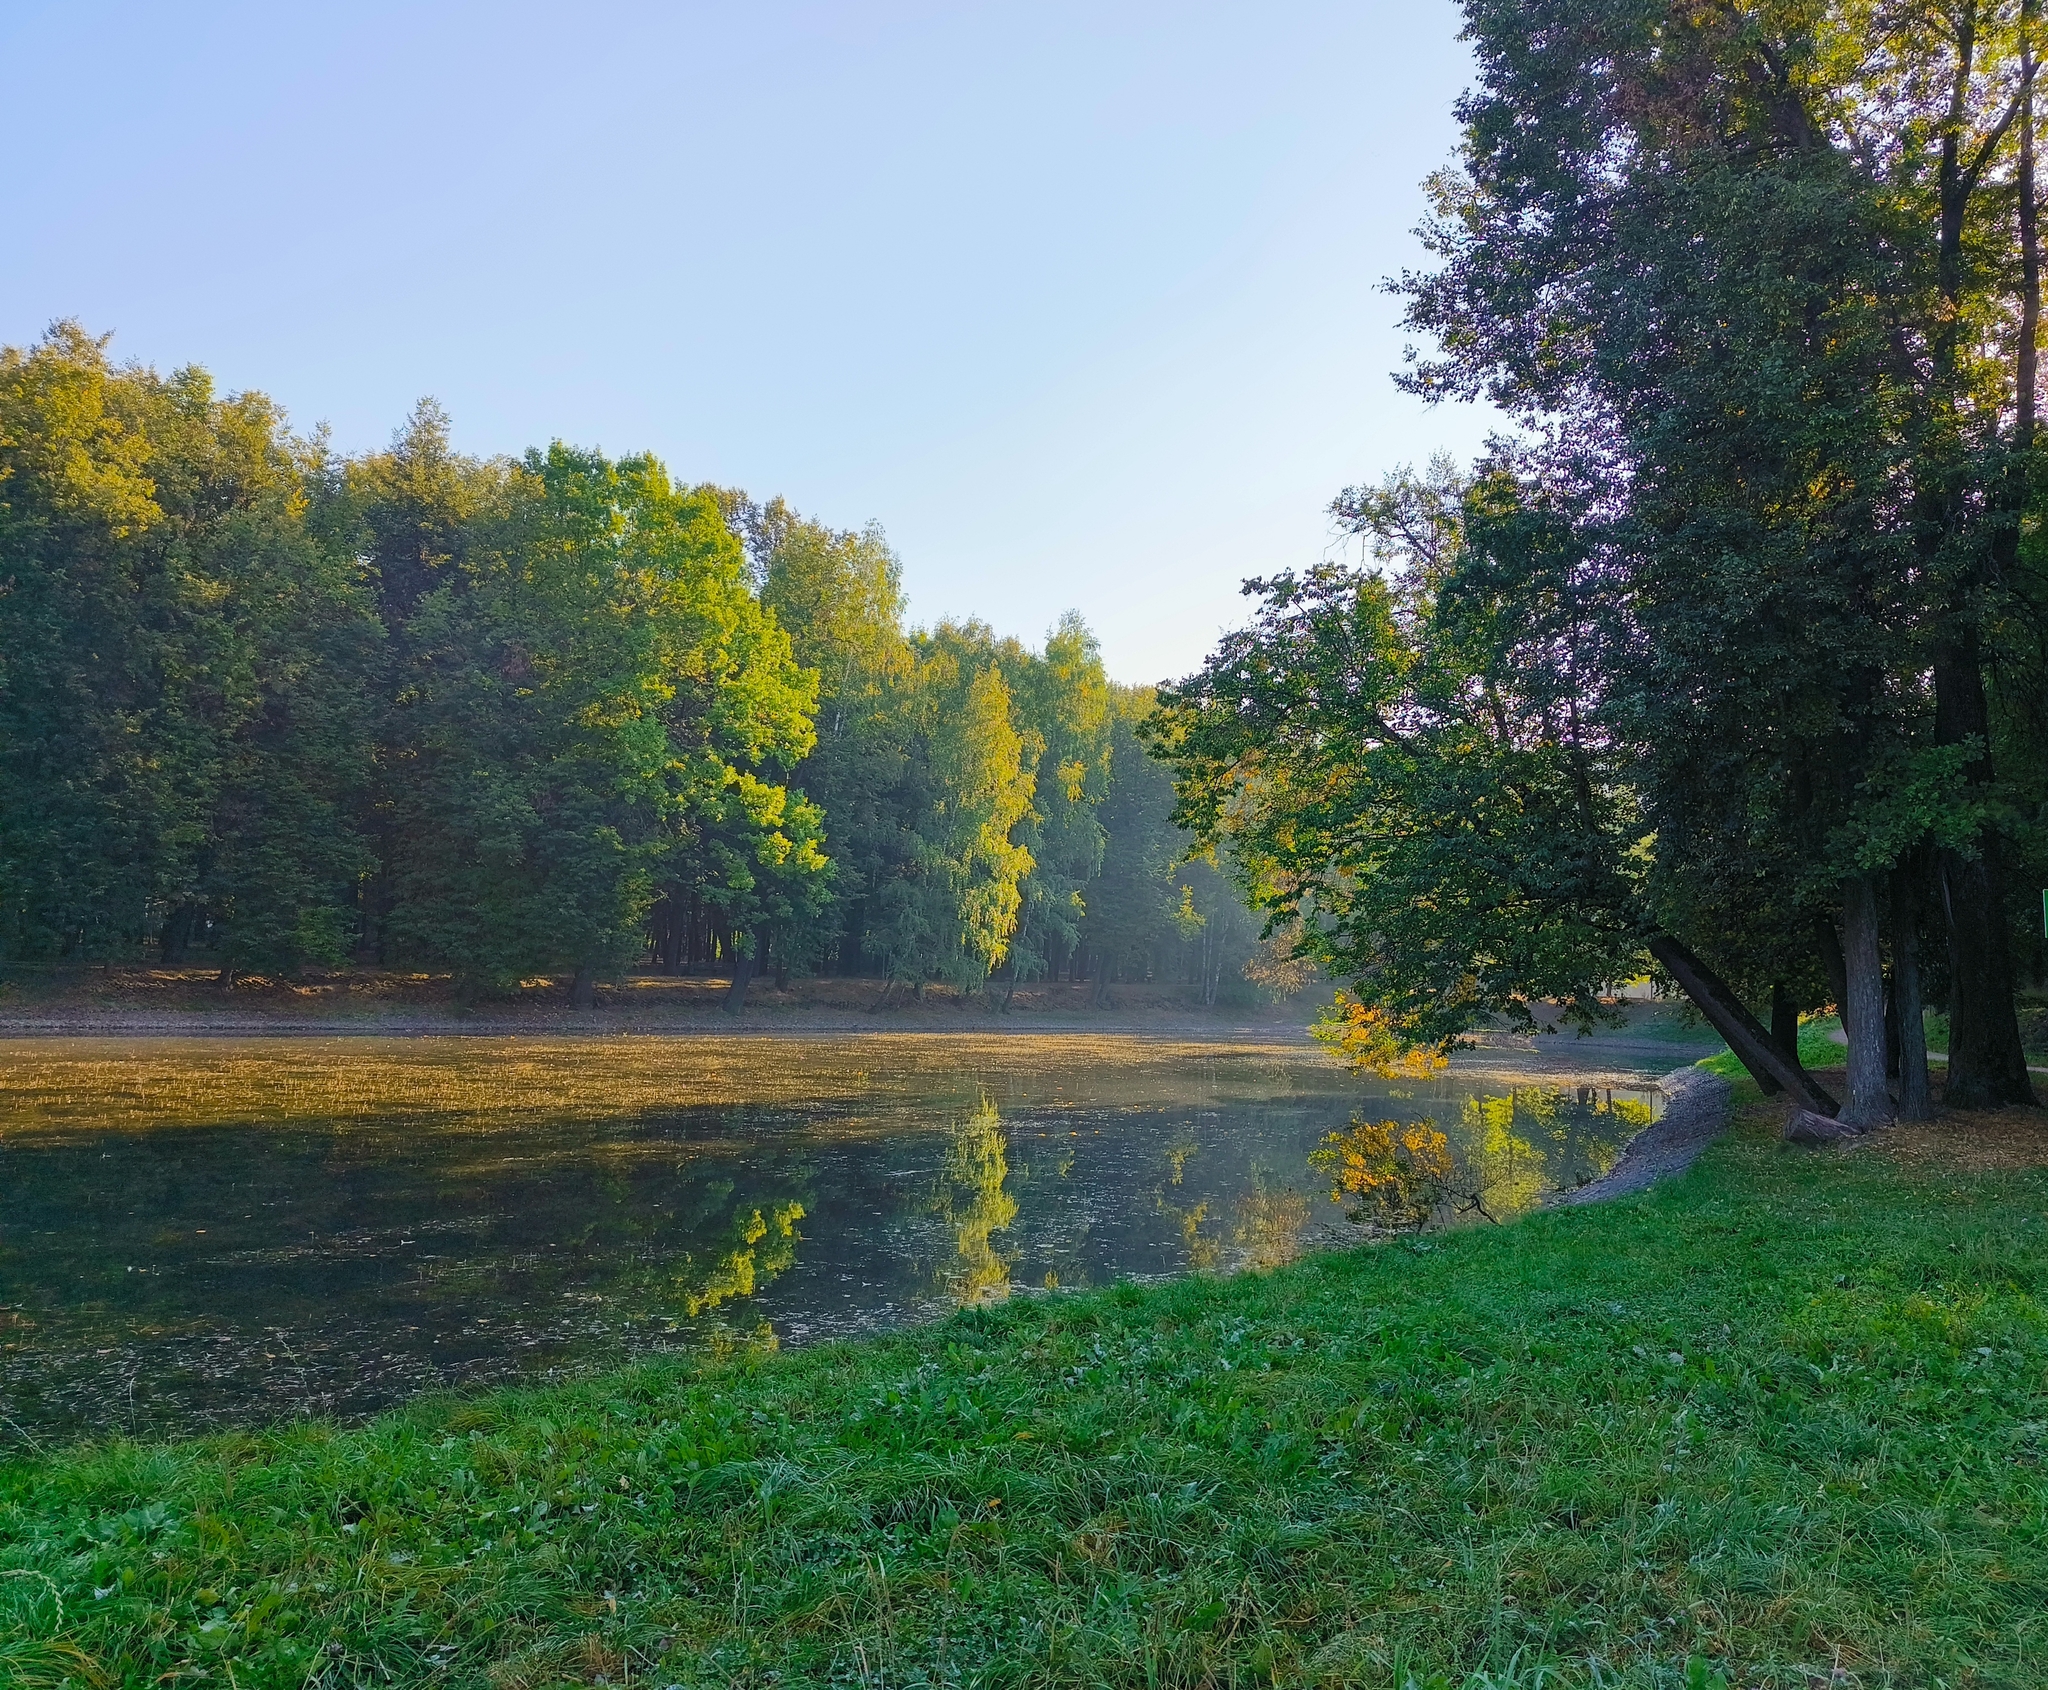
<point>1203,1251</point>
<point>1270,1224</point>
<point>1508,1139</point>
<point>975,1205</point>
<point>1401,1175</point>
<point>1506,1166</point>
<point>767,1245</point>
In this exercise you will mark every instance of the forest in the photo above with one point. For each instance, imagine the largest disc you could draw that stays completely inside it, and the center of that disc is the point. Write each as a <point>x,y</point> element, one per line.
<point>265,708</point>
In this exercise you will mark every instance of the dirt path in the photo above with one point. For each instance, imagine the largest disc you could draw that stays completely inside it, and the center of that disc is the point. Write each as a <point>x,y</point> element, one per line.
<point>1695,1115</point>
<point>1838,1036</point>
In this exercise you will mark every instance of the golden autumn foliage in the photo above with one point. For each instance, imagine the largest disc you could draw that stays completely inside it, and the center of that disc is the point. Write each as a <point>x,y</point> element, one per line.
<point>1367,1039</point>
<point>1400,1174</point>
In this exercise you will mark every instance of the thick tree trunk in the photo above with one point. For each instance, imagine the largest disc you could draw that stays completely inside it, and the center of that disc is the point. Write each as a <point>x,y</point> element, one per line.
<point>1987,1065</point>
<point>1916,1099</point>
<point>742,978</point>
<point>1870,1100</point>
<point>1784,1021</point>
<point>583,987</point>
<point>1724,1011</point>
<point>1891,1024</point>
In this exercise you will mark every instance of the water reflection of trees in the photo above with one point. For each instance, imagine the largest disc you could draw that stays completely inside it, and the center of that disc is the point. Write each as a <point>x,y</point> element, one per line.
<point>765,1244</point>
<point>1270,1223</point>
<point>972,1202</point>
<point>1507,1153</point>
<point>1518,1148</point>
<point>1397,1175</point>
<point>1204,1250</point>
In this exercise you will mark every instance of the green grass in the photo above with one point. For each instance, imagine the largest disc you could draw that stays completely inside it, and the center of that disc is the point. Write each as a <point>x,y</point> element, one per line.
<point>1817,1047</point>
<point>1782,1419</point>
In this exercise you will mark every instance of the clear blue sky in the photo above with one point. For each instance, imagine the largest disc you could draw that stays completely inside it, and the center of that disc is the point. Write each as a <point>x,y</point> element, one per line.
<point>1080,301</point>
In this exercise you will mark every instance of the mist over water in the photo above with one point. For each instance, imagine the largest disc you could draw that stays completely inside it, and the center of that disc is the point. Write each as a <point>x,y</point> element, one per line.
<point>210,1232</point>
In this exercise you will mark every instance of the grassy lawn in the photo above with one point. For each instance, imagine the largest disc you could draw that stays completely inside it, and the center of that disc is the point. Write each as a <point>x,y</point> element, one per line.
<point>1785,1420</point>
<point>1819,1049</point>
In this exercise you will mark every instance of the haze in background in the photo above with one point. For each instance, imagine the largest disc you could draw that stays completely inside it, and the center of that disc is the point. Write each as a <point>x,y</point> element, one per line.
<point>1081,302</point>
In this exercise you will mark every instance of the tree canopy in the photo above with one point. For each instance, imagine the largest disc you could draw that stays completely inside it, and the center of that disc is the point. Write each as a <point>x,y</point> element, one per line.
<point>277,709</point>
<point>1732,655</point>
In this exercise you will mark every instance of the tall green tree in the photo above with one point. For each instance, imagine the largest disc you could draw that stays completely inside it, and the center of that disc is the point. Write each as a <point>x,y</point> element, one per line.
<point>1409,768</point>
<point>840,596</point>
<point>593,705</point>
<point>1138,906</point>
<point>181,626</point>
<point>1769,269</point>
<point>1064,700</point>
<point>950,908</point>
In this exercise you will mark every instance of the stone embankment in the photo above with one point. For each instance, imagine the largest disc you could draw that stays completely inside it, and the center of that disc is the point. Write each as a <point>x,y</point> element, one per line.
<point>1695,1114</point>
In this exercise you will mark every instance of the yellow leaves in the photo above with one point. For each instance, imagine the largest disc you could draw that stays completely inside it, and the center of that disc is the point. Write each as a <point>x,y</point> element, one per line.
<point>739,1271</point>
<point>1372,1155</point>
<point>1402,1173</point>
<point>977,1167</point>
<point>1367,1039</point>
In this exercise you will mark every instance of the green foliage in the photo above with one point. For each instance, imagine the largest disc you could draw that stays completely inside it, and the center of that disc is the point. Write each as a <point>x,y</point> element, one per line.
<point>1408,776</point>
<point>1065,701</point>
<point>1777,1422</point>
<point>1764,290</point>
<point>183,622</point>
<point>588,700</point>
<point>512,717</point>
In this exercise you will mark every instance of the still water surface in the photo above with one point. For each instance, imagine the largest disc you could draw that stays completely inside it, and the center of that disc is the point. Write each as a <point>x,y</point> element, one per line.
<point>204,1232</point>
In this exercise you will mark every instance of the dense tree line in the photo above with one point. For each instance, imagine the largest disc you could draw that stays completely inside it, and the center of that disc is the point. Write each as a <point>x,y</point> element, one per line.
<point>266,707</point>
<point>1736,657</point>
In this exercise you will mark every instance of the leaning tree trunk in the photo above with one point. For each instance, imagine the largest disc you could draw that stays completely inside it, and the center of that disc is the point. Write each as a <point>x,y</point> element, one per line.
<point>1870,1100</point>
<point>1916,1098</point>
<point>1754,1048</point>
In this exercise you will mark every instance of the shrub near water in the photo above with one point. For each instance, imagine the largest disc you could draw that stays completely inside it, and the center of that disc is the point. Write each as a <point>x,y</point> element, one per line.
<point>1783,1421</point>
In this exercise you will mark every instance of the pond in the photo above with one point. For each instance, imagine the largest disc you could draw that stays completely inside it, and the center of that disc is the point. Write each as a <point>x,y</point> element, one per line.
<point>198,1232</point>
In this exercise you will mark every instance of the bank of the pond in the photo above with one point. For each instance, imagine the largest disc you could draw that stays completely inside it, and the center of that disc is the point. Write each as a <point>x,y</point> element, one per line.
<point>1787,1415</point>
